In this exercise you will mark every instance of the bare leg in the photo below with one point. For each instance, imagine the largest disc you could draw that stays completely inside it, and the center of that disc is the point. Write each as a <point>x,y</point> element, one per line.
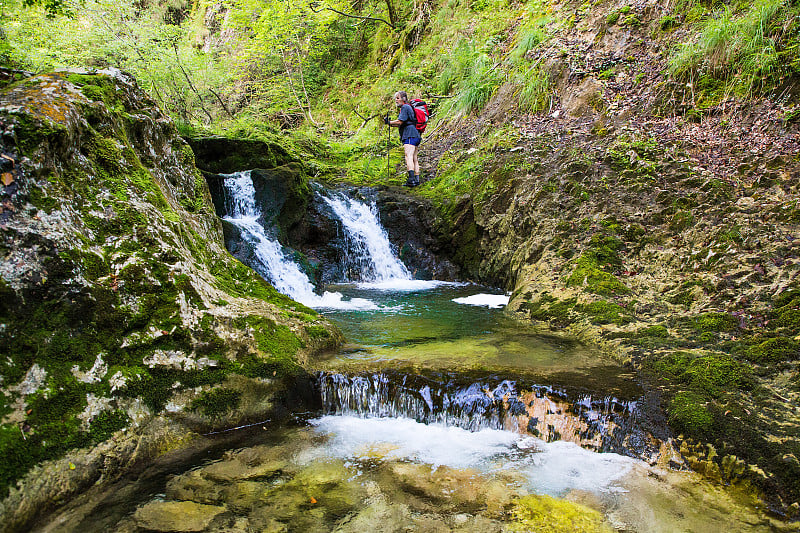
<point>411,157</point>
<point>416,160</point>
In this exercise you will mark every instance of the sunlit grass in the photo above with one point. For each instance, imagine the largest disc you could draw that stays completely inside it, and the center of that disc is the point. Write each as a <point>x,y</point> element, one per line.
<point>749,50</point>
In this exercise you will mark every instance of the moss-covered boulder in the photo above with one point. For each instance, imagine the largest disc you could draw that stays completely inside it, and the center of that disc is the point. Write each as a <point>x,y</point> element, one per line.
<point>225,155</point>
<point>118,300</point>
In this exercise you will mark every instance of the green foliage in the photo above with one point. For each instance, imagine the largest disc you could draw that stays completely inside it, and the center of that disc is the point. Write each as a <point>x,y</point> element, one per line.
<point>534,93</point>
<point>476,89</point>
<point>750,50</point>
<point>456,66</point>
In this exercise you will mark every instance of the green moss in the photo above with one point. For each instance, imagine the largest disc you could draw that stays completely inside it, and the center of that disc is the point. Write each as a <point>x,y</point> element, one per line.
<point>688,413</point>
<point>775,350</point>
<point>274,339</point>
<point>546,514</point>
<point>593,266</point>
<point>654,331</point>
<point>714,322</point>
<point>594,280</point>
<point>39,198</point>
<point>603,312</point>
<point>709,375</point>
<point>786,311</point>
<point>104,425</point>
<point>317,332</point>
<point>681,221</point>
<point>32,133</point>
<point>217,402</point>
<point>550,309</point>
<point>97,87</point>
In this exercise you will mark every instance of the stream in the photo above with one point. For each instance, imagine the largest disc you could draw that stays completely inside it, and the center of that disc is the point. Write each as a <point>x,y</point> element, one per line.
<point>439,414</point>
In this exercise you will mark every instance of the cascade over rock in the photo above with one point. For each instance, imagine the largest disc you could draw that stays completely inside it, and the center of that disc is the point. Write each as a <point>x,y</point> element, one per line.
<point>119,304</point>
<point>296,211</point>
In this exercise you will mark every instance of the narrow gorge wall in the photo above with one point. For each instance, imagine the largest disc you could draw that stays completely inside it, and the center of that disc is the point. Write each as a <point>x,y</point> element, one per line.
<point>665,242</point>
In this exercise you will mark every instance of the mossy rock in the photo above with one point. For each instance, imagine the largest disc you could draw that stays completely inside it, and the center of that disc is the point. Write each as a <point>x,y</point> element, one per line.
<point>549,309</point>
<point>551,515</point>
<point>714,322</point>
<point>217,402</point>
<point>775,350</point>
<point>708,374</point>
<point>224,155</point>
<point>688,413</point>
<point>603,312</point>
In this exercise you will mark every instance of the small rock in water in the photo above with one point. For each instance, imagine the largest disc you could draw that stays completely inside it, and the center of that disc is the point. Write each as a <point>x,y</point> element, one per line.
<point>176,516</point>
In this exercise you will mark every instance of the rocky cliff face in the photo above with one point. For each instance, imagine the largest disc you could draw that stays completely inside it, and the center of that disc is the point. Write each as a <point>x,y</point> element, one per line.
<point>119,305</point>
<point>660,227</point>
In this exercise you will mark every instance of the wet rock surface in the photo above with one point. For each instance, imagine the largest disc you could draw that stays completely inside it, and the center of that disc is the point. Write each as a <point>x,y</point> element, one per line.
<point>118,300</point>
<point>176,516</point>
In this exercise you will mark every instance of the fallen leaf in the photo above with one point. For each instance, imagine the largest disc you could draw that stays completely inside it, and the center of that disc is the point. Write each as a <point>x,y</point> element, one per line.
<point>7,179</point>
<point>71,466</point>
<point>313,500</point>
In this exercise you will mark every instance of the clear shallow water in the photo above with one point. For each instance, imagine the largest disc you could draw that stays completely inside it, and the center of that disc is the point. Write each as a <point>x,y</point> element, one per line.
<point>458,327</point>
<point>361,473</point>
<point>341,473</point>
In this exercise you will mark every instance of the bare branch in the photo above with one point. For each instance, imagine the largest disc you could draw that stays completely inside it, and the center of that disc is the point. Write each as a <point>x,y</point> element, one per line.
<point>313,4</point>
<point>222,103</point>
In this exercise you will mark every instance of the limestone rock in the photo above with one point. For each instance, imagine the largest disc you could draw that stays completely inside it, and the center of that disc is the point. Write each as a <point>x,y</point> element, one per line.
<point>176,516</point>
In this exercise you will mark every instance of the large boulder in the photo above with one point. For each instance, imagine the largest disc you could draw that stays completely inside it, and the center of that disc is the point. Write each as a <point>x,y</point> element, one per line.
<point>118,300</point>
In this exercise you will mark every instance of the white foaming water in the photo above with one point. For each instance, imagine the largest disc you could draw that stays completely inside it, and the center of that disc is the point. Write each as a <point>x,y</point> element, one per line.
<point>550,468</point>
<point>284,274</point>
<point>368,240</point>
<point>408,285</point>
<point>493,301</point>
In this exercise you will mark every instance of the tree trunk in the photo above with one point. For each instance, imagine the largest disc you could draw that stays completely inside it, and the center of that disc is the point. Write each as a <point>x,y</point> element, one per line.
<point>392,13</point>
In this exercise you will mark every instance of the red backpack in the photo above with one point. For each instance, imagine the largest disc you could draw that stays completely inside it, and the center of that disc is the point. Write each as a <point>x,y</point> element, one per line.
<point>421,111</point>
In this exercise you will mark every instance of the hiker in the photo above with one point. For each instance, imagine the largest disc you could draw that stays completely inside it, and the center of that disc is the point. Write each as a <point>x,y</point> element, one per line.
<point>409,135</point>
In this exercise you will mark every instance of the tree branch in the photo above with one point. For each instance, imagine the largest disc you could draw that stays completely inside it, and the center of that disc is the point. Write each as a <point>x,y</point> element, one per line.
<point>365,119</point>
<point>313,4</point>
<point>222,103</point>
<point>191,85</point>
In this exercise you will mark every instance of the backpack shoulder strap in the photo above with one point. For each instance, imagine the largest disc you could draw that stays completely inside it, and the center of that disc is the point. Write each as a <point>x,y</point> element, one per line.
<point>412,113</point>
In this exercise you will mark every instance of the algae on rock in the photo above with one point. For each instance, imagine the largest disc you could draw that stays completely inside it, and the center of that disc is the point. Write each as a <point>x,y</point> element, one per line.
<point>118,300</point>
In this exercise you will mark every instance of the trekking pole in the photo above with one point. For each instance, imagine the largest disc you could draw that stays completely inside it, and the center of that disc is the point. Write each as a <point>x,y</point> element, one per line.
<point>388,147</point>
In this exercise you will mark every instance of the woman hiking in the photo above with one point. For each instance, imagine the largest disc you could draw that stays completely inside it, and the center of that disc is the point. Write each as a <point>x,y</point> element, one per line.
<point>407,122</point>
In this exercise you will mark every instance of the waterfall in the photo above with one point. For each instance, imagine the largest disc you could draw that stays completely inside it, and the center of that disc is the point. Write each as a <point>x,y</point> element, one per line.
<point>368,249</point>
<point>604,424</point>
<point>268,257</point>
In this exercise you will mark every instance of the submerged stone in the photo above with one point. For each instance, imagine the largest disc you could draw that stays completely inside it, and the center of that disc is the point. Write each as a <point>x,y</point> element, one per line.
<point>176,516</point>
